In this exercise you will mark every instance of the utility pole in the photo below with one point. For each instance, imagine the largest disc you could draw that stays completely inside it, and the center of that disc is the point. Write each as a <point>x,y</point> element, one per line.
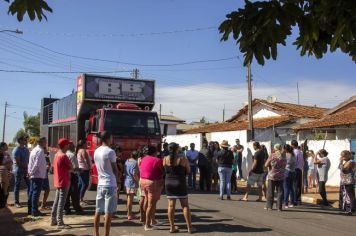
<point>160,111</point>
<point>298,93</point>
<point>224,113</point>
<point>4,125</point>
<point>135,73</point>
<point>250,115</point>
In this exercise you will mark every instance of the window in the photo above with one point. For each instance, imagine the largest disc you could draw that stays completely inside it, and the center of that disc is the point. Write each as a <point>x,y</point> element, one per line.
<point>132,123</point>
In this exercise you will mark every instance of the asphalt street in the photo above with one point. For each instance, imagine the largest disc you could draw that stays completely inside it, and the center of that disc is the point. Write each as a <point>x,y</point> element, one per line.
<point>210,216</point>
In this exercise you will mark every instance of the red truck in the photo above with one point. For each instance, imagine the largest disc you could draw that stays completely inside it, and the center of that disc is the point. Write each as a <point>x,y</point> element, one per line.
<point>122,106</point>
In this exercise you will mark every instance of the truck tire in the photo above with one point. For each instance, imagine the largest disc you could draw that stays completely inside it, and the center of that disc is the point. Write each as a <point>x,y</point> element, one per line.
<point>91,187</point>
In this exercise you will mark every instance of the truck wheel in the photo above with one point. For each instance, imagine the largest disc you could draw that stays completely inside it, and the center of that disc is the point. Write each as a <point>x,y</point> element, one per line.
<point>91,187</point>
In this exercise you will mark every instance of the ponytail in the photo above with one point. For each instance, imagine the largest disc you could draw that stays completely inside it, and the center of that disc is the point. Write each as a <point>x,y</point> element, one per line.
<point>173,147</point>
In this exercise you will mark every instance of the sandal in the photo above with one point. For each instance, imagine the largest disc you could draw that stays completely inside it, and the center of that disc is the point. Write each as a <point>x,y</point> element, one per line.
<point>175,230</point>
<point>243,200</point>
<point>192,230</point>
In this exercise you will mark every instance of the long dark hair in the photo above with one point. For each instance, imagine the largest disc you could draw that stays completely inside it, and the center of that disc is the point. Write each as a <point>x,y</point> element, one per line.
<point>80,145</point>
<point>289,149</point>
<point>172,148</point>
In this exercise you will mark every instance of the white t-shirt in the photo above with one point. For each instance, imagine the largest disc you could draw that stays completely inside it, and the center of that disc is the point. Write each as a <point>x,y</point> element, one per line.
<point>311,163</point>
<point>103,157</point>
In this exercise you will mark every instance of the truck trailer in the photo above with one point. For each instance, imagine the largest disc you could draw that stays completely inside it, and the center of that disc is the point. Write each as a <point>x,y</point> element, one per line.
<point>122,106</point>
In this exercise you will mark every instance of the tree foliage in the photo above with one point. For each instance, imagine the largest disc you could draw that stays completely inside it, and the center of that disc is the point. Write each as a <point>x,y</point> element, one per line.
<point>20,133</point>
<point>34,9</point>
<point>31,124</point>
<point>261,26</point>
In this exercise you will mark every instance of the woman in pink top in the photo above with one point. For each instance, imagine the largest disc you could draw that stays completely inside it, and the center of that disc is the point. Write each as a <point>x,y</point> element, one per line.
<point>151,174</point>
<point>84,163</point>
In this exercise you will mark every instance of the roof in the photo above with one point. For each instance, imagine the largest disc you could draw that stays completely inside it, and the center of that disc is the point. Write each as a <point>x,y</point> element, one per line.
<point>290,109</point>
<point>171,118</point>
<point>258,123</point>
<point>346,117</point>
<point>341,105</point>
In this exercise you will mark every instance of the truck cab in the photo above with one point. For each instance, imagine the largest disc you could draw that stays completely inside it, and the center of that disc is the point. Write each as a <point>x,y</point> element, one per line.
<point>130,126</point>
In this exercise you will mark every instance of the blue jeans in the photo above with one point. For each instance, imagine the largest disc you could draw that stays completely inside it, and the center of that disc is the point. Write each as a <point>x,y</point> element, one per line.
<point>289,188</point>
<point>34,195</point>
<point>106,199</point>
<point>19,175</point>
<point>192,176</point>
<point>225,180</point>
<point>83,182</point>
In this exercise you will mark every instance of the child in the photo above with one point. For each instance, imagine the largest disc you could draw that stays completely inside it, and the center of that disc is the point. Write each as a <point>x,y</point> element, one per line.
<point>311,168</point>
<point>131,182</point>
<point>4,182</point>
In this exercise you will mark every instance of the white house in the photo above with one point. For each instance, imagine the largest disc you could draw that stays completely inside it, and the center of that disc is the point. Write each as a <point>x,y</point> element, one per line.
<point>169,124</point>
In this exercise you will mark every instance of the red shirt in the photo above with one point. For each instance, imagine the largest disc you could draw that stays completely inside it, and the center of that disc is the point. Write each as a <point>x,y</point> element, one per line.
<point>61,170</point>
<point>151,168</point>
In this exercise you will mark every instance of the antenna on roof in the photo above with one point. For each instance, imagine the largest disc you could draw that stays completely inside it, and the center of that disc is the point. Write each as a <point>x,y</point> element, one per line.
<point>271,99</point>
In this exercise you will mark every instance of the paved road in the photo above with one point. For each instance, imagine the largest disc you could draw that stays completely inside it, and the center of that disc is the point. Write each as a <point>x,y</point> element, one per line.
<point>210,217</point>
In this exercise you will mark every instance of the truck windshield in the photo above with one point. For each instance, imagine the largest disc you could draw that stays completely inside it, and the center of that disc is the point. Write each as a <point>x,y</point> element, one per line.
<point>131,123</point>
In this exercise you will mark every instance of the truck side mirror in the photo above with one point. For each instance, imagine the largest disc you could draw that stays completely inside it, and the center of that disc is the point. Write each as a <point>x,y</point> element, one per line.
<point>87,126</point>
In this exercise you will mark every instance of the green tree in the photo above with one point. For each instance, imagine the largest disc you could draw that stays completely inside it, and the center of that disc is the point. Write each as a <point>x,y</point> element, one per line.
<point>20,133</point>
<point>260,26</point>
<point>32,124</point>
<point>34,9</point>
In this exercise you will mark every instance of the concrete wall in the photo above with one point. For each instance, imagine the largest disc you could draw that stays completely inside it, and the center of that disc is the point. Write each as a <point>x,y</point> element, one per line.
<point>334,148</point>
<point>186,139</point>
<point>248,154</point>
<point>230,136</point>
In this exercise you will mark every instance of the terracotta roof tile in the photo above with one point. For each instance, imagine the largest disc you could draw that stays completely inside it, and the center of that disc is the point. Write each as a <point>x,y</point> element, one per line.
<point>240,125</point>
<point>346,117</point>
<point>289,108</point>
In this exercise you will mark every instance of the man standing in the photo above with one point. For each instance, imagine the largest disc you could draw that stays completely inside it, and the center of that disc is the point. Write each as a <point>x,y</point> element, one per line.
<point>204,164</point>
<point>106,197</point>
<point>192,156</point>
<point>239,150</point>
<point>61,174</point>
<point>256,172</point>
<point>37,168</point>
<point>21,157</point>
<point>73,192</point>
<point>298,173</point>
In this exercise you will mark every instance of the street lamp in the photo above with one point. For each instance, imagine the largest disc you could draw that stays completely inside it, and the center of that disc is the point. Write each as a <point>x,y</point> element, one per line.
<point>17,31</point>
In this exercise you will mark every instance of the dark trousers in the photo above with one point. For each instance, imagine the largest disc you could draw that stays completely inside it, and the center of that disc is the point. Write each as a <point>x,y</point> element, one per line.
<point>205,178</point>
<point>73,193</point>
<point>34,195</point>
<point>192,176</point>
<point>239,166</point>
<point>322,192</point>
<point>289,189</point>
<point>233,181</point>
<point>298,186</point>
<point>83,182</point>
<point>19,175</point>
<point>272,187</point>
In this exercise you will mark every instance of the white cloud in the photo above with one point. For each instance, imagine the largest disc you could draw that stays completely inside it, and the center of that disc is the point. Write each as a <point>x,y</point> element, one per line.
<point>191,102</point>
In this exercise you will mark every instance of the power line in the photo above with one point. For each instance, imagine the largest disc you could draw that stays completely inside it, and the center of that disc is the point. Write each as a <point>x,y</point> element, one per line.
<point>56,34</point>
<point>64,72</point>
<point>127,63</point>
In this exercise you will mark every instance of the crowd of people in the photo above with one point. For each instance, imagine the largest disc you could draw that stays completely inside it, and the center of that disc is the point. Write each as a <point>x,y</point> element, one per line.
<point>281,174</point>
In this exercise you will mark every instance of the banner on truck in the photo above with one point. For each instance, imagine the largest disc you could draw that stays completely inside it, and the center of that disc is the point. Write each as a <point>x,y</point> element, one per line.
<point>112,89</point>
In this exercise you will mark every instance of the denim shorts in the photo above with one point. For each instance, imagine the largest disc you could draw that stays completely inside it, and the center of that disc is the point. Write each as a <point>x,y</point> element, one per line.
<point>45,184</point>
<point>106,199</point>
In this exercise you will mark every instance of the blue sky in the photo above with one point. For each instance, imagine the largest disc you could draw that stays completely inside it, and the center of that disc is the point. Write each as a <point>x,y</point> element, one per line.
<point>93,29</point>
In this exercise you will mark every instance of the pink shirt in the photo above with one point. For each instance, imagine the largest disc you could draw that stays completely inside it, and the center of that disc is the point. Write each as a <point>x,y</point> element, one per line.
<point>151,168</point>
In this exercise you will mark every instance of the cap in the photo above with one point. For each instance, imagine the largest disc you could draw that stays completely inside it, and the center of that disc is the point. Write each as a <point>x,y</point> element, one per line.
<point>63,142</point>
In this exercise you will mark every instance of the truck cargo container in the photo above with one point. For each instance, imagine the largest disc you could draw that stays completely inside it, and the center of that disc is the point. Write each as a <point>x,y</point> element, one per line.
<point>122,106</point>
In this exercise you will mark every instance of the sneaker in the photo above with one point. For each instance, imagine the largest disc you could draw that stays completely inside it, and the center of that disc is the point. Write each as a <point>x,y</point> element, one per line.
<point>53,223</point>
<point>228,198</point>
<point>17,205</point>
<point>60,227</point>
<point>148,228</point>
<point>291,206</point>
<point>286,207</point>
<point>38,213</point>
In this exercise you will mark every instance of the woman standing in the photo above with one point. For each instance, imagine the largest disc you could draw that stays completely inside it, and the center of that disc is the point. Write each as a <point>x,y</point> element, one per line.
<point>290,176</point>
<point>277,165</point>
<point>347,183</point>
<point>323,163</point>
<point>214,150</point>
<point>234,171</point>
<point>225,158</point>
<point>131,182</point>
<point>84,166</point>
<point>311,169</point>
<point>151,173</point>
<point>176,168</point>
